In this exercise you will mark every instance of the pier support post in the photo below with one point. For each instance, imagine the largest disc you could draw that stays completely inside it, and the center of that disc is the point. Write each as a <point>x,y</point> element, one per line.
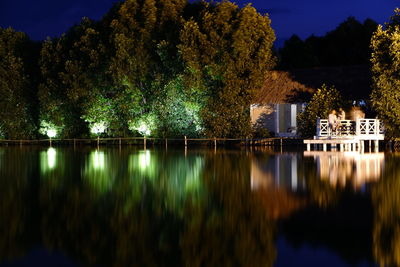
<point>98,141</point>
<point>144,143</point>
<point>185,141</point>
<point>376,145</point>
<point>308,147</point>
<point>215,142</point>
<point>324,147</point>
<point>166,143</point>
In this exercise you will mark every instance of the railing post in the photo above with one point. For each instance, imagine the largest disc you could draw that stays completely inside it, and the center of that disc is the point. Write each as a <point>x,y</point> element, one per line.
<point>358,131</point>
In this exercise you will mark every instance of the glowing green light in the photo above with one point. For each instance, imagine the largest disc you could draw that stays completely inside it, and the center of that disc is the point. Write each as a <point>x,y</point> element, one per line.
<point>51,133</point>
<point>144,159</point>
<point>143,129</point>
<point>145,125</point>
<point>98,127</point>
<point>51,158</point>
<point>98,173</point>
<point>97,160</point>
<point>48,160</point>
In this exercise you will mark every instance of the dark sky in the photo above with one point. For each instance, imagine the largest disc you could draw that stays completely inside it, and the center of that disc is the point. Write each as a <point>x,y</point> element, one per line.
<point>42,18</point>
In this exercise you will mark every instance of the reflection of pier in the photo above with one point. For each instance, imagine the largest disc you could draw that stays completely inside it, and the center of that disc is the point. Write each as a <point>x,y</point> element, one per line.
<point>339,167</point>
<point>348,136</point>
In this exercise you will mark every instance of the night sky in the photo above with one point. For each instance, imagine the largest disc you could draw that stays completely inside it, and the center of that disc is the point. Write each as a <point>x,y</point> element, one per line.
<point>42,18</point>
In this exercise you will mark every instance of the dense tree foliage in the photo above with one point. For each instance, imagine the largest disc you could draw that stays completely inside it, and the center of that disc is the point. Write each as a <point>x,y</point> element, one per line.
<point>348,44</point>
<point>228,51</point>
<point>18,81</point>
<point>322,102</point>
<point>148,67</point>
<point>386,80</point>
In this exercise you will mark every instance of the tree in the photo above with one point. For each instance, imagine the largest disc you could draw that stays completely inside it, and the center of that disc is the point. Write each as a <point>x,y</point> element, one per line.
<point>144,58</point>
<point>322,102</point>
<point>17,85</point>
<point>348,44</point>
<point>74,77</point>
<point>297,54</point>
<point>385,60</point>
<point>227,51</point>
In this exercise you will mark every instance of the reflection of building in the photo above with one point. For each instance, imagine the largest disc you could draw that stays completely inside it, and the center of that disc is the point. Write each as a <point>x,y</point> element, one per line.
<point>274,180</point>
<point>277,171</point>
<point>341,167</point>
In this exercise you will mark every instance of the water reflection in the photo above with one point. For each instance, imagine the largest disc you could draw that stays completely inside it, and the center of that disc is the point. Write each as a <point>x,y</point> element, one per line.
<point>341,168</point>
<point>277,170</point>
<point>386,202</point>
<point>48,160</point>
<point>111,207</point>
<point>338,168</point>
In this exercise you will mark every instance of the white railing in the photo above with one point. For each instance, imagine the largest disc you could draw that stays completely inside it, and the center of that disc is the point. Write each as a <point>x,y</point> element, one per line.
<point>349,128</point>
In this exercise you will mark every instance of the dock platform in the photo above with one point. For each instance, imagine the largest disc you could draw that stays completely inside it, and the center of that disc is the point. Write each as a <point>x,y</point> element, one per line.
<point>349,135</point>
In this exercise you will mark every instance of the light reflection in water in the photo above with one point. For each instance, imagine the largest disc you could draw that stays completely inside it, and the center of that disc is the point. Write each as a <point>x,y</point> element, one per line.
<point>142,162</point>
<point>144,159</point>
<point>48,160</point>
<point>281,170</point>
<point>97,173</point>
<point>97,160</point>
<point>337,168</point>
<point>340,168</point>
<point>195,202</point>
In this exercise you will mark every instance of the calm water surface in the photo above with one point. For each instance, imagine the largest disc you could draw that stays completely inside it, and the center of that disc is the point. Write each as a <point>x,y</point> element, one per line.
<point>130,207</point>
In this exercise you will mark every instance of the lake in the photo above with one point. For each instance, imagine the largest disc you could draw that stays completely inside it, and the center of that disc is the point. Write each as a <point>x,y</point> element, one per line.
<point>114,206</point>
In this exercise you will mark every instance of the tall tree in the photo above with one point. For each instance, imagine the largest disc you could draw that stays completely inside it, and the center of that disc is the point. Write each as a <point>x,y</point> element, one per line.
<point>144,36</point>
<point>75,79</point>
<point>348,44</point>
<point>17,85</point>
<point>385,60</point>
<point>227,51</point>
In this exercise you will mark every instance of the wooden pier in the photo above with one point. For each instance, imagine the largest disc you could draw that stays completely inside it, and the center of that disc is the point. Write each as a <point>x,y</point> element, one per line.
<point>348,136</point>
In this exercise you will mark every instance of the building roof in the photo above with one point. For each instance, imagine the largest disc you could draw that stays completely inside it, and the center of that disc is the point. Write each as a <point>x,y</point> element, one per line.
<point>295,86</point>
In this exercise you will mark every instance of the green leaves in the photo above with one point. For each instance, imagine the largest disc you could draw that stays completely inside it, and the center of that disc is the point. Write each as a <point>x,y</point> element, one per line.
<point>227,52</point>
<point>191,68</point>
<point>16,86</point>
<point>385,60</point>
<point>322,102</point>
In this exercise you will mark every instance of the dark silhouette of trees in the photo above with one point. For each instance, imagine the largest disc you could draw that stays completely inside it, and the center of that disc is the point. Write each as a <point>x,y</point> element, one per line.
<point>348,44</point>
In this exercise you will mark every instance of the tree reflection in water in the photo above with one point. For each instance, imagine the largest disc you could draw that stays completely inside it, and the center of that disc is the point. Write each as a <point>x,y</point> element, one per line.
<point>133,208</point>
<point>17,201</point>
<point>386,202</point>
<point>111,207</point>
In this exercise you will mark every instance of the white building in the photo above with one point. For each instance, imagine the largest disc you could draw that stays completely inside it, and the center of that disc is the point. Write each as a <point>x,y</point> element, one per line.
<point>280,119</point>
